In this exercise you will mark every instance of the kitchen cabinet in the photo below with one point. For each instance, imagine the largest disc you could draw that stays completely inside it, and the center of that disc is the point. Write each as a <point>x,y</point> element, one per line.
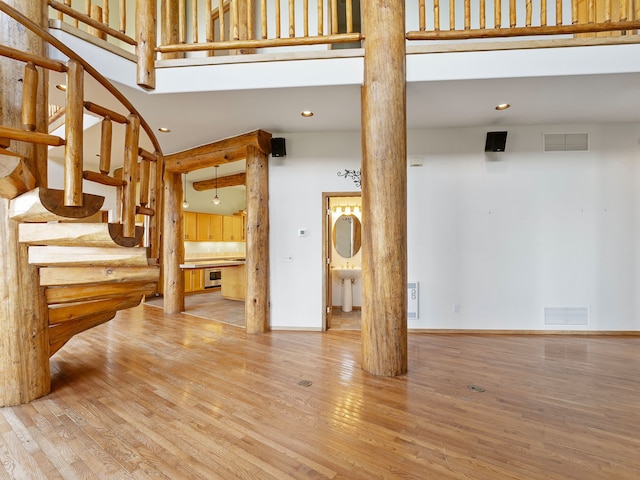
<point>233,228</point>
<point>193,280</point>
<point>209,227</point>
<point>190,226</point>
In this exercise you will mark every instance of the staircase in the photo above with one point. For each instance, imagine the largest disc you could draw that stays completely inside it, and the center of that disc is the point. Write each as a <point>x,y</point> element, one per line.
<point>86,270</point>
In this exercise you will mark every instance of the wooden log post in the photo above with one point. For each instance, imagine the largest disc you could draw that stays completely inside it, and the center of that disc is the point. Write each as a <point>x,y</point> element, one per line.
<point>30,97</point>
<point>132,137</point>
<point>257,263</point>
<point>24,339</point>
<point>146,38</point>
<point>173,249</point>
<point>144,182</point>
<point>169,30</point>
<point>244,29</point>
<point>96,14</point>
<point>155,202</point>
<point>74,131</point>
<point>105,146</point>
<point>384,191</point>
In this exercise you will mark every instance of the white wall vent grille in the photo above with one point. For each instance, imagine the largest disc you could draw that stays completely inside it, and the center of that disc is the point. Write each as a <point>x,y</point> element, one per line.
<point>412,296</point>
<point>566,142</point>
<point>566,315</point>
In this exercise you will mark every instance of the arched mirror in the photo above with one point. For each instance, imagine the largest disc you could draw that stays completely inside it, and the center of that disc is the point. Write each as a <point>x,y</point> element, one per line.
<point>347,235</point>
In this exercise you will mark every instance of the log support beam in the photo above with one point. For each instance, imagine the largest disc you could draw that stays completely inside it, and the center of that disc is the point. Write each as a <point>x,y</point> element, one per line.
<point>257,262</point>
<point>24,337</point>
<point>384,191</point>
<point>173,250</point>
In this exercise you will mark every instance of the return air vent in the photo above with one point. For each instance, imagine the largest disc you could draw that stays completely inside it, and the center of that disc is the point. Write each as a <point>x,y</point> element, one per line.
<point>566,142</point>
<point>566,315</point>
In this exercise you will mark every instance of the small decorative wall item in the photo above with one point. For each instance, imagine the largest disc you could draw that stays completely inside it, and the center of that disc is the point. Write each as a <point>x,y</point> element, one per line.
<point>353,174</point>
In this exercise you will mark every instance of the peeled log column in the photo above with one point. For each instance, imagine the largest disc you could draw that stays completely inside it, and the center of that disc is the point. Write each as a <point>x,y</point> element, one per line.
<point>24,340</point>
<point>384,191</point>
<point>173,249</point>
<point>257,266</point>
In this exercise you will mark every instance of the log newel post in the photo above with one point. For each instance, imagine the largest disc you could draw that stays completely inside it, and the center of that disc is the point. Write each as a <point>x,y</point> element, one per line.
<point>257,262</point>
<point>24,338</point>
<point>146,38</point>
<point>384,191</point>
<point>173,249</point>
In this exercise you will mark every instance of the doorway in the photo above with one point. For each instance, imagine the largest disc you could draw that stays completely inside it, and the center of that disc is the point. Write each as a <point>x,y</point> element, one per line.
<point>342,259</point>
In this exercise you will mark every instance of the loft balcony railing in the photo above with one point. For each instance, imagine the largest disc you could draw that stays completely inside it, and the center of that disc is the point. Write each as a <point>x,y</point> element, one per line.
<point>205,28</point>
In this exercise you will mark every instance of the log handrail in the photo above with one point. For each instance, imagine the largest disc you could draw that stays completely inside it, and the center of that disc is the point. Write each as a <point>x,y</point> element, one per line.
<point>75,104</point>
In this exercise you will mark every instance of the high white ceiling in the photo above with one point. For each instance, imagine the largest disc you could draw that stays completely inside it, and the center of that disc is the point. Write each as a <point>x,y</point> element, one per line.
<point>197,118</point>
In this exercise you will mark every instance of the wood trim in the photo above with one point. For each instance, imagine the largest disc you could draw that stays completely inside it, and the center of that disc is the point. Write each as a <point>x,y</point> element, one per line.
<point>448,331</point>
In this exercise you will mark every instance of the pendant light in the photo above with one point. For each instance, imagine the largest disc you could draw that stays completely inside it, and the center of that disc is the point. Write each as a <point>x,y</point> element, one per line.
<point>216,200</point>
<point>185,203</point>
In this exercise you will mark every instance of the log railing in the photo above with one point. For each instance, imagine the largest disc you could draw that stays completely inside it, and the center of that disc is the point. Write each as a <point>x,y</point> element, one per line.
<point>138,162</point>
<point>473,19</point>
<point>212,27</point>
<point>242,26</point>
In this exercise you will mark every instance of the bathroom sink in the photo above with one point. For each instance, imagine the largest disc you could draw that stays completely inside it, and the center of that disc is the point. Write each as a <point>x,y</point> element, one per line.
<point>348,277</point>
<point>348,273</point>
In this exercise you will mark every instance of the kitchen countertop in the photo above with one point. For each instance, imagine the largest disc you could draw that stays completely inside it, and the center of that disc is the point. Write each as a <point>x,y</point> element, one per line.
<point>211,263</point>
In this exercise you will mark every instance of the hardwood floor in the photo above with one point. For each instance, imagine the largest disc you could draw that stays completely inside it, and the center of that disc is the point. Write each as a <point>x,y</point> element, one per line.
<point>210,305</point>
<point>154,396</point>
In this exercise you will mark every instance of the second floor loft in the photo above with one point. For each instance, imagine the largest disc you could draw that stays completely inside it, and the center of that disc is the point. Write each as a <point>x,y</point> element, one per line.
<point>159,33</point>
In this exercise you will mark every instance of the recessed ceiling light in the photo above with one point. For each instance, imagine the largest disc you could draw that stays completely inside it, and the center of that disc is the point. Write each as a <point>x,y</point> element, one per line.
<point>62,87</point>
<point>164,130</point>
<point>502,106</point>
<point>307,113</point>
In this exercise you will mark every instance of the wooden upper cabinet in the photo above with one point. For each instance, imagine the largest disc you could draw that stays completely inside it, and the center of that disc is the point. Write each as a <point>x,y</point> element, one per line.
<point>190,226</point>
<point>233,228</point>
<point>209,227</point>
<point>216,228</point>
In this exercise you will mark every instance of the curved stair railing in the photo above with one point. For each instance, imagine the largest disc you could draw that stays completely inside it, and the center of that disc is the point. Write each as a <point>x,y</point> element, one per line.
<point>89,270</point>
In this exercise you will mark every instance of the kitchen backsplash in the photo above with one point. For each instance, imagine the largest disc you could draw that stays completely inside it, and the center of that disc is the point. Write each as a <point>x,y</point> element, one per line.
<point>223,249</point>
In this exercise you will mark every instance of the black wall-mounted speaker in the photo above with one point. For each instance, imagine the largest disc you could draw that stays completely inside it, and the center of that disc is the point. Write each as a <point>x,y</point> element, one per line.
<point>496,142</point>
<point>278,147</point>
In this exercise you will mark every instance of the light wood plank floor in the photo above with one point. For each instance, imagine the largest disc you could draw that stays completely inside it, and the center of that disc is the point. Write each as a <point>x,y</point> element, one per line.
<point>154,396</point>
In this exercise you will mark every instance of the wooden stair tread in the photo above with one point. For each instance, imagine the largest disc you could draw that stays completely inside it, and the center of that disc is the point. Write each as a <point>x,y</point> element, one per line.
<point>47,205</point>
<point>76,293</point>
<point>51,255</point>
<point>58,276</point>
<point>77,234</point>
<point>78,311</point>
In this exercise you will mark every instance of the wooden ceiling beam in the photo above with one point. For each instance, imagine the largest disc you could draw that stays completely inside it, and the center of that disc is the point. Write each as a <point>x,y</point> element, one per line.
<point>217,153</point>
<point>226,181</point>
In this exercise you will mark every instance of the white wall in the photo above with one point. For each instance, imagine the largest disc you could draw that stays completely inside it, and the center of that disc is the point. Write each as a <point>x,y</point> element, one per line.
<point>501,239</point>
<point>296,183</point>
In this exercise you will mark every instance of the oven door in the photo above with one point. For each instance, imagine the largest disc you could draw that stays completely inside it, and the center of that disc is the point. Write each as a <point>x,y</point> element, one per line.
<point>212,277</point>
